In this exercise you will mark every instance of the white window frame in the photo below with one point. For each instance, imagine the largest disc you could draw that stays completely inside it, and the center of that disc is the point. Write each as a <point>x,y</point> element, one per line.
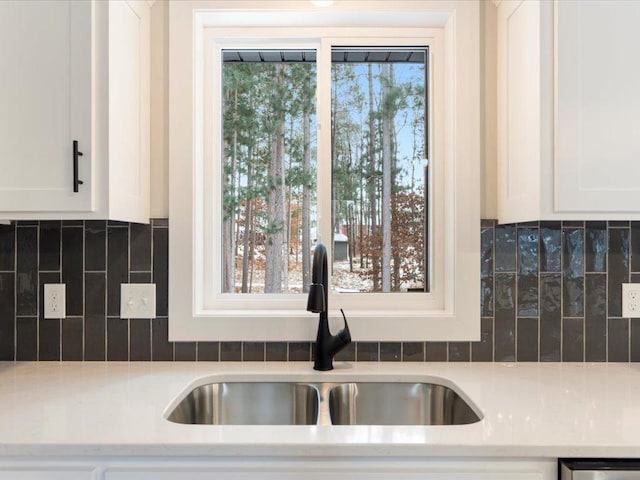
<point>197,308</point>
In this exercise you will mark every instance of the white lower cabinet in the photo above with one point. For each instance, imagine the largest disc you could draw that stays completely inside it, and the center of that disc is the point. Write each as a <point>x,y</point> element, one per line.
<point>294,469</point>
<point>360,469</point>
<point>48,472</point>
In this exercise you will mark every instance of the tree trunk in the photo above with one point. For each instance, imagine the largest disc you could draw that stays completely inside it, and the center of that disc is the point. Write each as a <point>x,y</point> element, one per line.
<point>306,202</point>
<point>229,213</point>
<point>248,227</point>
<point>387,120</point>
<point>372,181</point>
<point>275,209</point>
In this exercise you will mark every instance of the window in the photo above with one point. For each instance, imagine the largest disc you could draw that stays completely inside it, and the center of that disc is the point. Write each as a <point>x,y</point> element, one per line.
<point>379,163</point>
<point>347,135</point>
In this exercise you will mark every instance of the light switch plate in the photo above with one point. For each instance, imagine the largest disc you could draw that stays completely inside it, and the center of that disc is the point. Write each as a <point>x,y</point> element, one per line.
<point>137,300</point>
<point>54,300</point>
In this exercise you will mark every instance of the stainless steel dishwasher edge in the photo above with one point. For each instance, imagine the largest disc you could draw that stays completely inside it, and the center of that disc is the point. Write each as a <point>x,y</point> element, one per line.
<point>599,469</point>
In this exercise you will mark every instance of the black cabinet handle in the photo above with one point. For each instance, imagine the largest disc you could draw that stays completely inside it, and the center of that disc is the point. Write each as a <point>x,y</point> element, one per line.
<point>76,154</point>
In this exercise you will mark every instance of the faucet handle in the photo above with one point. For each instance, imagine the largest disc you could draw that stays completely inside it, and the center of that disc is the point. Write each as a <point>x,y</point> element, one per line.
<point>345,334</point>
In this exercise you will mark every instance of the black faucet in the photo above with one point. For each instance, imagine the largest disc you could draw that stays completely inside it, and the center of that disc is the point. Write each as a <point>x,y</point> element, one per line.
<point>327,345</point>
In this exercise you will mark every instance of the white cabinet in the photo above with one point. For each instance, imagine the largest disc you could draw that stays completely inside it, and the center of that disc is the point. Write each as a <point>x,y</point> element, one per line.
<point>47,472</point>
<point>568,110</point>
<point>281,468</point>
<point>74,71</point>
<point>344,469</point>
<point>45,94</point>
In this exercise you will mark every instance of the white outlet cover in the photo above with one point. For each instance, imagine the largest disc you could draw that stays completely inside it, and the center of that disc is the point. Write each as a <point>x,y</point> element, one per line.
<point>55,300</point>
<point>137,300</point>
<point>631,300</point>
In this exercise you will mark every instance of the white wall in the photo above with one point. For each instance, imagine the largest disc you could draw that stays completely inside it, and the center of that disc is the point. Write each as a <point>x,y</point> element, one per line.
<point>160,111</point>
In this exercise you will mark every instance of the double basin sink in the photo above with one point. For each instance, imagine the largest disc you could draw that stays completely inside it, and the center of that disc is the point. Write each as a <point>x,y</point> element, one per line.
<point>309,403</point>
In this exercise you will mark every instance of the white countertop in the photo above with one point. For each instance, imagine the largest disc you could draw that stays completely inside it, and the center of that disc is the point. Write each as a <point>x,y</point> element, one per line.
<point>118,409</point>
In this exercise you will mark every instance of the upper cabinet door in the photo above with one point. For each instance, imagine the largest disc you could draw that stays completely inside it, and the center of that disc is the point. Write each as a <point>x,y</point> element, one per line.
<point>45,104</point>
<point>519,115</point>
<point>129,98</point>
<point>597,137</point>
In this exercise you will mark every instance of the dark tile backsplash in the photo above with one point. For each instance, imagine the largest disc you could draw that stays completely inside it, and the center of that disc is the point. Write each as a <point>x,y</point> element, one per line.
<point>550,292</point>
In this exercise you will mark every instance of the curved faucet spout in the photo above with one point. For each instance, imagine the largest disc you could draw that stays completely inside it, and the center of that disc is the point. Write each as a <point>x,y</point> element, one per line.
<point>327,345</point>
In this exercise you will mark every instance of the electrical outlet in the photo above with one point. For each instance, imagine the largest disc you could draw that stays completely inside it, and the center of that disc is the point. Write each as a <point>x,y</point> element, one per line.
<point>137,300</point>
<point>631,300</point>
<point>54,300</point>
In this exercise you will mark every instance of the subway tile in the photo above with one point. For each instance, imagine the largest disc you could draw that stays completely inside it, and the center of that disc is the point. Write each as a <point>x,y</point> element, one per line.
<point>390,351</point>
<point>482,351</point>
<point>413,352</point>
<point>161,347</point>
<point>160,269</point>
<point>595,320</point>
<point>50,342</point>
<point>573,272</point>
<point>276,351</point>
<point>505,248</point>
<point>140,244</point>
<point>528,239</point>
<point>486,272</point>
<point>618,340</point>
<point>550,316</point>
<point>573,340</point>
<point>486,297</point>
<point>210,351</point>
<point>596,247</point>
<point>72,333</point>
<point>73,223</point>
<point>618,269</point>
<point>527,345</point>
<point>486,252</point>
<point>185,351</point>
<point>635,246</point>
<point>528,295</point>
<point>27,271</point>
<point>253,351</point>
<point>487,223</point>
<point>634,350</point>
<point>117,339</point>
<point>436,351</point>
<point>117,267</point>
<point>160,222</point>
<point>27,339</point>
<point>140,340</point>
<point>459,351</point>
<point>505,318</point>
<point>300,351</point>
<point>95,245</point>
<point>72,269</point>
<point>7,247</point>
<point>367,352</point>
<point>7,316</point>
<point>26,223</point>
<point>347,354</point>
<point>573,223</point>
<point>230,351</point>
<point>550,247</point>
<point>619,223</point>
<point>140,277</point>
<point>49,245</point>
<point>95,323</point>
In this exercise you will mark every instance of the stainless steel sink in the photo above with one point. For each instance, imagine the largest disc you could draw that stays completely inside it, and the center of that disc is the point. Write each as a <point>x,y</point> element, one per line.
<point>326,403</point>
<point>398,404</point>
<point>249,403</point>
